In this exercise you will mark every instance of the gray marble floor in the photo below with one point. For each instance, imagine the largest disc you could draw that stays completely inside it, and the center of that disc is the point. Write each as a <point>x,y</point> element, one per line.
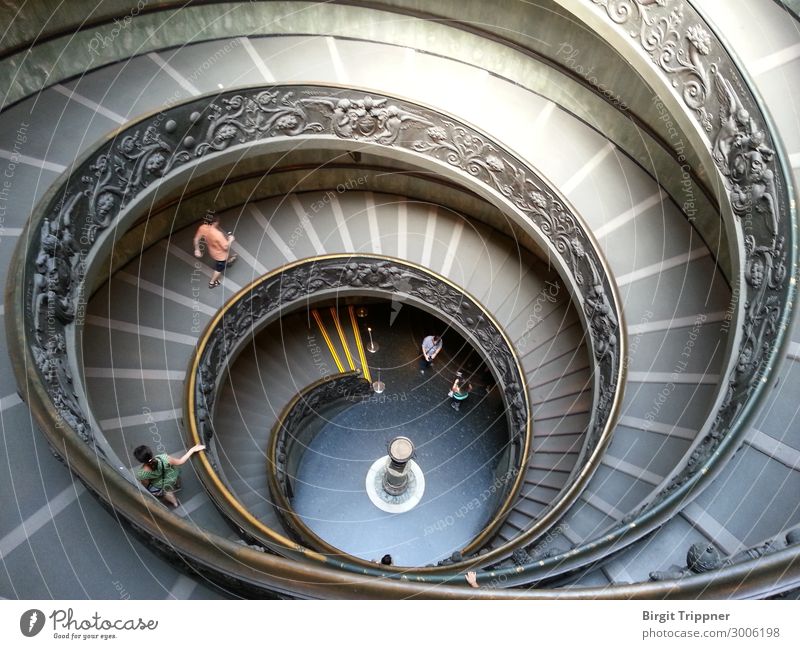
<point>458,452</point>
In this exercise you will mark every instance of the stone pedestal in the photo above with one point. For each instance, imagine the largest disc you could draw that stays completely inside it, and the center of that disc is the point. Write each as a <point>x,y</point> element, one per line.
<point>395,480</point>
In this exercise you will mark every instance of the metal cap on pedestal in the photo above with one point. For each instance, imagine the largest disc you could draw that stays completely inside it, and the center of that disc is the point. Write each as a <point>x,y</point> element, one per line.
<point>401,449</point>
<point>395,480</point>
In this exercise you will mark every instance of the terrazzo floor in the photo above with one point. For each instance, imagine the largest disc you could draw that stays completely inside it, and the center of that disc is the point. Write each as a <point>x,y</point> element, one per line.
<point>458,452</point>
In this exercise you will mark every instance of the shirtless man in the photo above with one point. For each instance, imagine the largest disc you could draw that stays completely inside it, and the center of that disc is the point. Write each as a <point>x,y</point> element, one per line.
<point>218,245</point>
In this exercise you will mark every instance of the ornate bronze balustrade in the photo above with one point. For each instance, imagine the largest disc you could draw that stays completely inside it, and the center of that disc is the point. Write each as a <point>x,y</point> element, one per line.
<point>303,282</point>
<point>769,262</point>
<point>69,233</point>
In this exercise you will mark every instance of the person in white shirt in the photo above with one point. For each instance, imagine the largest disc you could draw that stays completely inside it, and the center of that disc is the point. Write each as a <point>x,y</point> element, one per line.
<point>431,346</point>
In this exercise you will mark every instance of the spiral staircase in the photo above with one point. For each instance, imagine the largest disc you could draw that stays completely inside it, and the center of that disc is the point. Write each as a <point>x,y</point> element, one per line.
<point>653,333</point>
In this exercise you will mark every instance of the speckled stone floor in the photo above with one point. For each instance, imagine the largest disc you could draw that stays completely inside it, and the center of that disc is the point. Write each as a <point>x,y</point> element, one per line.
<point>458,452</point>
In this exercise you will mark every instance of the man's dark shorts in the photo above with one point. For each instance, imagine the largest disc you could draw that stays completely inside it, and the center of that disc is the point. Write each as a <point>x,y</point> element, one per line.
<point>219,266</point>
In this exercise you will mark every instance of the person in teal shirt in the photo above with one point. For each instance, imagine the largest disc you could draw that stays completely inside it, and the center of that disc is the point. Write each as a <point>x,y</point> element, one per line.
<point>459,392</point>
<point>160,473</point>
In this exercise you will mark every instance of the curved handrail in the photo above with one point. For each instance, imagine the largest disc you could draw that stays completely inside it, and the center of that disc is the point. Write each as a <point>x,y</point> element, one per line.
<point>343,386</point>
<point>102,188</point>
<point>254,572</point>
<point>264,299</point>
<point>780,327</point>
<point>758,187</point>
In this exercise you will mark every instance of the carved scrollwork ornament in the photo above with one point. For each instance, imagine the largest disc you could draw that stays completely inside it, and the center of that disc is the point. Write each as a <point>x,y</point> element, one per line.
<point>333,389</point>
<point>102,187</point>
<point>304,280</point>
<point>697,66</point>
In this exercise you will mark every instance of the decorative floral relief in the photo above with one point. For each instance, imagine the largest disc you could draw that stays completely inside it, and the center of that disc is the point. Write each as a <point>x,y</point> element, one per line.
<point>94,197</point>
<point>369,119</point>
<point>739,144</point>
<point>659,31</point>
<point>242,119</point>
<point>305,280</point>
